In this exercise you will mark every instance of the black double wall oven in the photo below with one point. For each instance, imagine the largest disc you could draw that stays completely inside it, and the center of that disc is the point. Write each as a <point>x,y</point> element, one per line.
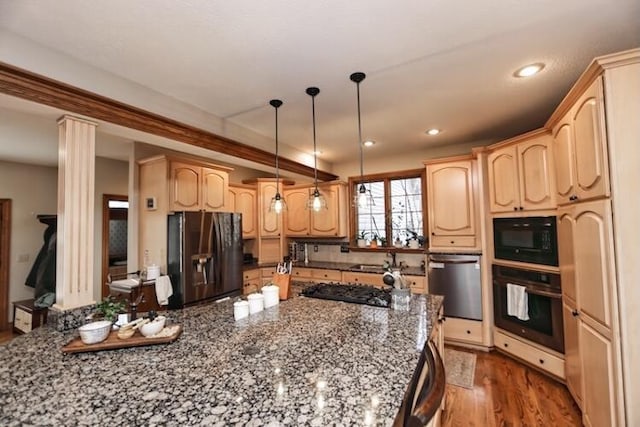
<point>531,240</point>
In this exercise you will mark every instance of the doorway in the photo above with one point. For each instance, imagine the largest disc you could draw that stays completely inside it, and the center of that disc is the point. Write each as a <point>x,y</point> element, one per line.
<point>5,239</point>
<point>114,238</point>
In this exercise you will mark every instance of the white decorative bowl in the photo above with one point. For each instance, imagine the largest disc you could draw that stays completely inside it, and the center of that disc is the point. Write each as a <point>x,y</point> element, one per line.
<point>153,327</point>
<point>95,332</point>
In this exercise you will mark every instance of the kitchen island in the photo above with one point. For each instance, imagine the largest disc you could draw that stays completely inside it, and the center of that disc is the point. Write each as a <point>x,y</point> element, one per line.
<point>304,362</point>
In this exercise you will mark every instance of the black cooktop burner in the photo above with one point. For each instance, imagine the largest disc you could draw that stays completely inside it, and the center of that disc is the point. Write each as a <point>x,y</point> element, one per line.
<point>349,293</point>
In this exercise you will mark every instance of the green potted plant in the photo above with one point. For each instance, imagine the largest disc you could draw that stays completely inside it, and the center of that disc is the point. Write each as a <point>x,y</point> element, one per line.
<point>110,307</point>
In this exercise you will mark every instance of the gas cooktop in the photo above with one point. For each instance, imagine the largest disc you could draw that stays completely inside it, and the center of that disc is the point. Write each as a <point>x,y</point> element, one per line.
<point>357,294</point>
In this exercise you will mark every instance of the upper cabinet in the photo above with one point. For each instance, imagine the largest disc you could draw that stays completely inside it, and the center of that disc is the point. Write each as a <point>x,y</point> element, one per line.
<point>242,199</point>
<point>521,175</point>
<point>580,149</point>
<point>450,196</point>
<point>196,187</point>
<point>301,221</point>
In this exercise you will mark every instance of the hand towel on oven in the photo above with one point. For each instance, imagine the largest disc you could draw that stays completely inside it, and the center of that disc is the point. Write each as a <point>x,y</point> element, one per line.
<point>163,290</point>
<point>517,301</point>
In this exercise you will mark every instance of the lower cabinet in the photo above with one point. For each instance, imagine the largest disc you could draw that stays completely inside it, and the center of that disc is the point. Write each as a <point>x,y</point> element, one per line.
<point>356,278</point>
<point>417,284</point>
<point>251,281</point>
<point>463,330</point>
<point>27,317</point>
<point>572,352</point>
<point>529,353</point>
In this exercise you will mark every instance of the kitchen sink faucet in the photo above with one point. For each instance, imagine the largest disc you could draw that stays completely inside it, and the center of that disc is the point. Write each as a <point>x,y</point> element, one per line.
<point>393,259</point>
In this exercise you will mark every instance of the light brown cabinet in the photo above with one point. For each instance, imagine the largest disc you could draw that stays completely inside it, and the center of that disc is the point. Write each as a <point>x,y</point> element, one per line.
<point>585,238</point>
<point>356,278</point>
<point>195,187</point>
<point>303,222</point>
<point>521,175</point>
<point>242,199</point>
<point>580,149</point>
<point>451,201</point>
<point>251,281</point>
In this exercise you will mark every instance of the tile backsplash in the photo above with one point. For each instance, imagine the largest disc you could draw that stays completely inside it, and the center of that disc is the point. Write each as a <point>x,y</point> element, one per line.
<point>331,253</point>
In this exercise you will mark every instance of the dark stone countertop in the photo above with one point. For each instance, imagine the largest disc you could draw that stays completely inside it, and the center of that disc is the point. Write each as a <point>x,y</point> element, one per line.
<point>316,363</point>
<point>342,266</point>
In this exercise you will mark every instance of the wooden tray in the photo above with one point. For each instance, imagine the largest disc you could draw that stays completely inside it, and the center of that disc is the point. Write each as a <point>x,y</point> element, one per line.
<point>113,342</point>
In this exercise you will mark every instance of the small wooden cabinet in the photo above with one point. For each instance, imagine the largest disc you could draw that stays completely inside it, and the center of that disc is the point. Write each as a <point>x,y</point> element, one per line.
<point>417,284</point>
<point>303,222</point>
<point>357,278</point>
<point>580,149</point>
<point>451,201</point>
<point>195,187</point>
<point>521,174</point>
<point>242,199</point>
<point>251,281</point>
<point>27,316</point>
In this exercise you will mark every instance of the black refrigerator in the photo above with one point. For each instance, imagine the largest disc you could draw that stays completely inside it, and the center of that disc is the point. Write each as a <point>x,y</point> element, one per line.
<point>204,256</point>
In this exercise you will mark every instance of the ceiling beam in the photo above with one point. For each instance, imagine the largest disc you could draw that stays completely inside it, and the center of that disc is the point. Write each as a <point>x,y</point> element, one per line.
<point>24,84</point>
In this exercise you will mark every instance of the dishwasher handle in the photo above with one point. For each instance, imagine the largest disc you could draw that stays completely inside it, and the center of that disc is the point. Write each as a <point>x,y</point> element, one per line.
<point>454,261</point>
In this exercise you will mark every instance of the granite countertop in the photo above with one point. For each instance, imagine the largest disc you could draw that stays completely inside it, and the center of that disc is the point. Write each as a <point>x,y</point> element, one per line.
<point>342,266</point>
<point>304,362</point>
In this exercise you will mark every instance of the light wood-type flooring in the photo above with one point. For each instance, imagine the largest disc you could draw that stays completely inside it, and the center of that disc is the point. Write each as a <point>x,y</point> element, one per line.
<point>507,393</point>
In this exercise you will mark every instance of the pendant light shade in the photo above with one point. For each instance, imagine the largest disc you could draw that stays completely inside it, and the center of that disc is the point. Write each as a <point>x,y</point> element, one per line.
<point>316,200</point>
<point>277,202</point>
<point>363,197</point>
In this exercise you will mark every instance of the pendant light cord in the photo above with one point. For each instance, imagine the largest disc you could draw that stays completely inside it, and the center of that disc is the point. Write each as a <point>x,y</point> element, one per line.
<point>360,134</point>
<point>315,153</point>
<point>277,168</point>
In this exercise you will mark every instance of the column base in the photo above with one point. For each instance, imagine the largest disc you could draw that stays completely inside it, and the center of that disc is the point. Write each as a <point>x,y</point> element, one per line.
<point>63,320</point>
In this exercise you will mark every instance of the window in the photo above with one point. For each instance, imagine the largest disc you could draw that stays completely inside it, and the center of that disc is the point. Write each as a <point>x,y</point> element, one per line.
<point>396,214</point>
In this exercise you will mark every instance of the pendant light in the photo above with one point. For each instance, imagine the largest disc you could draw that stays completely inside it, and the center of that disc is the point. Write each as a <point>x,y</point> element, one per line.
<point>277,202</point>
<point>363,197</point>
<point>316,200</point>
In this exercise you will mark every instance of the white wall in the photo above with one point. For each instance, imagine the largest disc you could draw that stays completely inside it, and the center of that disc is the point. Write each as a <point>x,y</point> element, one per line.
<point>33,191</point>
<point>112,177</point>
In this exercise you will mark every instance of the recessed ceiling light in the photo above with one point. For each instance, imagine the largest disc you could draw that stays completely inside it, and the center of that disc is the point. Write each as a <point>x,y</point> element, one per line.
<point>368,143</point>
<point>529,70</point>
<point>433,131</point>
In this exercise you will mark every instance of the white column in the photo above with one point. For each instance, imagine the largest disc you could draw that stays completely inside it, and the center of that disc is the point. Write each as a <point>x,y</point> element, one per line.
<point>76,188</point>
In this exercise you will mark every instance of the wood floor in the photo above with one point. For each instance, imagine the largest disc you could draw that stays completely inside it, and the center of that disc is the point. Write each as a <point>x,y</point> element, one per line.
<point>7,335</point>
<point>507,393</point>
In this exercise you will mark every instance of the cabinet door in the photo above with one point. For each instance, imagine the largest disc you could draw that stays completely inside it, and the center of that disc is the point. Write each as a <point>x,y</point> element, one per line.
<point>451,205</point>
<point>243,200</point>
<point>270,224</point>
<point>566,224</point>
<point>572,363</point>
<point>327,221</point>
<point>297,221</point>
<point>598,407</point>
<point>185,190</point>
<point>564,160</point>
<point>503,180</point>
<point>215,186</point>
<point>593,251</point>
<point>592,172</point>
<point>535,174</point>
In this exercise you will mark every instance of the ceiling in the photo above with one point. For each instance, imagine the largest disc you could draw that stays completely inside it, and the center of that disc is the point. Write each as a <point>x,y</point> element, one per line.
<point>444,64</point>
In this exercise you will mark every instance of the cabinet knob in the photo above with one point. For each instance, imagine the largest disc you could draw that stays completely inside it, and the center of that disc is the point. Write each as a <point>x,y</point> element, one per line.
<point>468,331</point>
<point>515,208</point>
<point>506,345</point>
<point>521,208</point>
<point>575,313</point>
<point>452,242</point>
<point>573,198</point>
<point>433,233</point>
<point>542,361</point>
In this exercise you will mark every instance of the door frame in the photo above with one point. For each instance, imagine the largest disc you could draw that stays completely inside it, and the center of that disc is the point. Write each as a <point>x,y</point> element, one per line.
<point>5,247</point>
<point>105,238</point>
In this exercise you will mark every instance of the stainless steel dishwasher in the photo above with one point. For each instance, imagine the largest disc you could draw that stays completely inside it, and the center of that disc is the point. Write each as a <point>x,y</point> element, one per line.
<point>457,277</point>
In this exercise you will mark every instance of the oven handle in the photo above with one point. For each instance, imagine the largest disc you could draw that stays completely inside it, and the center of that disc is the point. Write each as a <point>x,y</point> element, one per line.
<point>533,291</point>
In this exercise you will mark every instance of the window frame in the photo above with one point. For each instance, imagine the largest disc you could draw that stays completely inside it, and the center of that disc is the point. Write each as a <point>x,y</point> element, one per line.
<point>386,177</point>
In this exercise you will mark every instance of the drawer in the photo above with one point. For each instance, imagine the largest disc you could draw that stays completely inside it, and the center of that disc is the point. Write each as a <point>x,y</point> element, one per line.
<point>251,275</point>
<point>530,354</point>
<point>324,275</point>
<point>301,273</point>
<point>452,241</point>
<point>251,286</point>
<point>416,284</point>
<point>362,278</point>
<point>267,272</point>
<point>23,320</point>
<point>463,330</point>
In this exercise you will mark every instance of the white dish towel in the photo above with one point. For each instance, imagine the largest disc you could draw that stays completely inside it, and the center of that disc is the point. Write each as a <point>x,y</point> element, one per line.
<point>163,290</point>
<point>517,302</point>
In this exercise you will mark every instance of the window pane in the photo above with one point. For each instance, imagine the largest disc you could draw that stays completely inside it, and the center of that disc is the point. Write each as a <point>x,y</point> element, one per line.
<point>371,219</point>
<point>406,209</point>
